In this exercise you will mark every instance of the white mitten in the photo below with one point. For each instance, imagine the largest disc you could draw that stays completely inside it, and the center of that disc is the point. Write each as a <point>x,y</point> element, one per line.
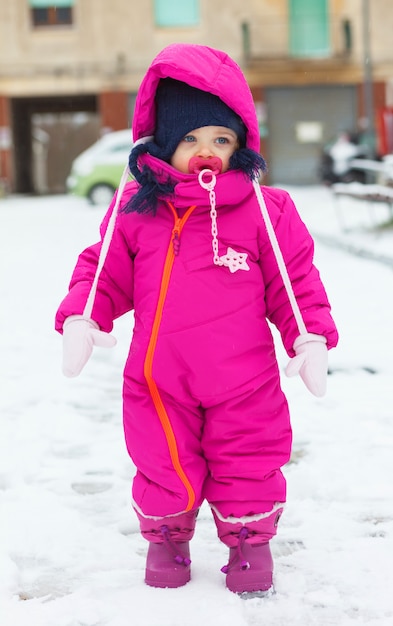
<point>311,362</point>
<point>79,336</point>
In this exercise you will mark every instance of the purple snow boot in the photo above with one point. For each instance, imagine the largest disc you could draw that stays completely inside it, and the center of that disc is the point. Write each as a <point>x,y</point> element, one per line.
<point>168,557</point>
<point>250,567</point>
<point>168,563</point>
<point>249,570</point>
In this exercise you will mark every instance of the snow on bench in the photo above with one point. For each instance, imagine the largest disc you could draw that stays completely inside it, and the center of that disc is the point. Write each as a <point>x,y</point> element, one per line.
<point>370,193</point>
<point>373,193</point>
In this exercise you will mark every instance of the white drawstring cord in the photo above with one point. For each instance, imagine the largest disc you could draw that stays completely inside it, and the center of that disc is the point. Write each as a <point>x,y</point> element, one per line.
<point>280,260</point>
<point>105,244</point>
<point>108,234</point>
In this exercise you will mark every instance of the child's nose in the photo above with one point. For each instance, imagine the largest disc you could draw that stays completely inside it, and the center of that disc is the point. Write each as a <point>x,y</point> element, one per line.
<point>205,151</point>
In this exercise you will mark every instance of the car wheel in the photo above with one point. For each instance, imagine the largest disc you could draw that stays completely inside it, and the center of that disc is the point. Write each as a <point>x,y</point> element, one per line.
<point>101,194</point>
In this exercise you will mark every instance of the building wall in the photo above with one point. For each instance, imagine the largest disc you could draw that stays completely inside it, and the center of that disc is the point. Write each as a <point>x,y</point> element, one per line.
<point>111,43</point>
<point>106,51</point>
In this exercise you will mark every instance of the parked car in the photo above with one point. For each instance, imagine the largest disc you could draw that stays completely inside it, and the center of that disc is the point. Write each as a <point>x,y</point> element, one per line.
<point>96,172</point>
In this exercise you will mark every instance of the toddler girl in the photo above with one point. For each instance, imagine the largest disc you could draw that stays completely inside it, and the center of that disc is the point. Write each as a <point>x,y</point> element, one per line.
<point>205,257</point>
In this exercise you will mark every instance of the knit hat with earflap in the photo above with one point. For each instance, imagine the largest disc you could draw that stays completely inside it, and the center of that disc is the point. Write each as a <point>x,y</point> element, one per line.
<point>180,109</point>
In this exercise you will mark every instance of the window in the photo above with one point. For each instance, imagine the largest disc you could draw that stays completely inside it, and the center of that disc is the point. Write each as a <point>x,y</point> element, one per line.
<point>176,12</point>
<point>309,28</point>
<point>51,13</point>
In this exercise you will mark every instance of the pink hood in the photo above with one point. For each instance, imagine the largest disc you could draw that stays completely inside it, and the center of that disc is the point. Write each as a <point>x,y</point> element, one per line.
<point>206,69</point>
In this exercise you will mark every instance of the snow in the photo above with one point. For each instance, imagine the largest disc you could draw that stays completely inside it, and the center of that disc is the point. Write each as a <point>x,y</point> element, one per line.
<point>70,550</point>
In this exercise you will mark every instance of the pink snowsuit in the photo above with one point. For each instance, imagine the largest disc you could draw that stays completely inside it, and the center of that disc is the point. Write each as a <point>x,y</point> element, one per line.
<point>204,413</point>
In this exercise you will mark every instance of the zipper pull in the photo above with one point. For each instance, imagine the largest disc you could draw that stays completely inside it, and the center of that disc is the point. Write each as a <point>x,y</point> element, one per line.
<point>176,241</point>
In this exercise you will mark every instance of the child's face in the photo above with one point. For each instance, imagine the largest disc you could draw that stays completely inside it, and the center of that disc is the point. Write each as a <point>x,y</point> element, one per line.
<point>205,143</point>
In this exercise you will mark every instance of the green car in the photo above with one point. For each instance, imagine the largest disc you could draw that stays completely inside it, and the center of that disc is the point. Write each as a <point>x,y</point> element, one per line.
<point>96,172</point>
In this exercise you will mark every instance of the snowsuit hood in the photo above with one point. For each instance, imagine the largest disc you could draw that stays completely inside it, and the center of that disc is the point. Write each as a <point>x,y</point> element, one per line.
<point>202,67</point>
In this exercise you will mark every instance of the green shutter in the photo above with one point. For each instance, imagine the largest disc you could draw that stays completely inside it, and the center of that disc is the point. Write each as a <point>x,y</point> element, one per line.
<point>176,12</point>
<point>309,28</point>
<point>44,4</point>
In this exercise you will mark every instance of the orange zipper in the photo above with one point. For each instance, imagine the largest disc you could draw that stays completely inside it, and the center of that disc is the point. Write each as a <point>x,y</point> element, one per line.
<point>148,365</point>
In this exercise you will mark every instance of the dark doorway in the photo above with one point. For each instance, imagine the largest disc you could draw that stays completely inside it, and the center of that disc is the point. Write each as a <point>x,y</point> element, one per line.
<point>48,133</point>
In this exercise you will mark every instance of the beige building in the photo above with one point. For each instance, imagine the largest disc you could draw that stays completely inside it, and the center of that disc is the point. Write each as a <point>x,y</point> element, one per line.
<point>69,70</point>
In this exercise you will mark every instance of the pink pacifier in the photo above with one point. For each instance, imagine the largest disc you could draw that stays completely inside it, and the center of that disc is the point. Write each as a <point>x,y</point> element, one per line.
<point>197,164</point>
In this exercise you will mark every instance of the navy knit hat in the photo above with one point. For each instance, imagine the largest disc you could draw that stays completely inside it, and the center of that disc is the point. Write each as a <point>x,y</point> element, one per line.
<point>181,108</point>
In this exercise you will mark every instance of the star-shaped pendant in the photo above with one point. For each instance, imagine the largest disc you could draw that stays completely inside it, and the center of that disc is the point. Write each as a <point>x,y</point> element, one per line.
<point>235,260</point>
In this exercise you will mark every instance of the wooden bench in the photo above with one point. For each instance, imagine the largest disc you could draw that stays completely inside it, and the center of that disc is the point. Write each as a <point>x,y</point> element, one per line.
<point>371,194</point>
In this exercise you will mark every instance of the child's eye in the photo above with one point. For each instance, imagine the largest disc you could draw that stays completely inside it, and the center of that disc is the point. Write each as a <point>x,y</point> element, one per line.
<point>222,140</point>
<point>189,138</point>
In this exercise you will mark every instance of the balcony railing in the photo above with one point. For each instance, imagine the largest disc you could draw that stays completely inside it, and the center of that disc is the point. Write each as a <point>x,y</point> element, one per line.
<point>273,39</point>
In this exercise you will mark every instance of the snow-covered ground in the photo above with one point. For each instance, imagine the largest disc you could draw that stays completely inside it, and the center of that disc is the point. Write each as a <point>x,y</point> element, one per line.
<point>70,551</point>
